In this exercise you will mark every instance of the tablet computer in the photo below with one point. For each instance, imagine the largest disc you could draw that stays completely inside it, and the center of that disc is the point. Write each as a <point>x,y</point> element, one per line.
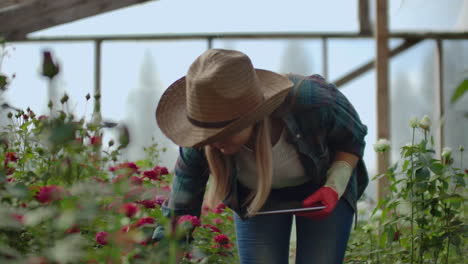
<point>292,210</point>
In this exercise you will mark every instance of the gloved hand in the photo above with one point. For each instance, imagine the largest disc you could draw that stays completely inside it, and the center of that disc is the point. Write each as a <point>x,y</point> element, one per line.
<point>337,179</point>
<point>324,196</point>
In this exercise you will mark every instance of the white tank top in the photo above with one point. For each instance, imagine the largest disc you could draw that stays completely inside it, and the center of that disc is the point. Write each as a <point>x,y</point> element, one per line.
<point>287,168</point>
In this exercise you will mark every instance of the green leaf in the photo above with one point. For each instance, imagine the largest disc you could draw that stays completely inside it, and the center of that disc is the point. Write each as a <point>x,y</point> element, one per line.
<point>19,190</point>
<point>422,174</point>
<point>3,82</point>
<point>437,168</point>
<point>460,91</point>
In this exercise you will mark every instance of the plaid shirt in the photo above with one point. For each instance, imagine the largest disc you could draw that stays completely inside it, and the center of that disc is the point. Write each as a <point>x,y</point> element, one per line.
<point>320,122</point>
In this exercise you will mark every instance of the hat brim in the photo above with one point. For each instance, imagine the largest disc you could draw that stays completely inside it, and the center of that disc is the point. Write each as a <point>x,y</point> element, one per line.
<point>172,118</point>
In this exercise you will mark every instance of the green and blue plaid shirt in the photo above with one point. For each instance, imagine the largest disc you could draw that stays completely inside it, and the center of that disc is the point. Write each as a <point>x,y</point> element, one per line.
<point>320,122</point>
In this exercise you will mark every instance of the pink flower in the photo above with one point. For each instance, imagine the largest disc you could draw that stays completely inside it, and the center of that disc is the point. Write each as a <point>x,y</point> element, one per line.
<point>102,237</point>
<point>125,229</point>
<point>50,193</point>
<point>165,188</point>
<point>41,117</point>
<point>217,221</point>
<point>145,220</point>
<point>151,174</point>
<point>220,208</point>
<point>160,199</point>
<point>148,203</point>
<point>213,228</point>
<point>129,209</point>
<point>18,217</point>
<point>189,218</point>
<point>136,180</point>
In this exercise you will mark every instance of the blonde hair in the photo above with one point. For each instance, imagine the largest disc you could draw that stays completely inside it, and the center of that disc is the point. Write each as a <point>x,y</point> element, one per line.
<point>220,166</point>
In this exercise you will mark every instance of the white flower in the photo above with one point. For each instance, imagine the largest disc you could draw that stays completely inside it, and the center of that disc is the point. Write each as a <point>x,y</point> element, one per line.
<point>425,122</point>
<point>414,122</point>
<point>446,152</point>
<point>382,145</point>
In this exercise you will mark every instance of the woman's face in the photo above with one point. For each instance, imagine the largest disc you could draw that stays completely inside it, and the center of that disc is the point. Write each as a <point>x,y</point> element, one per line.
<point>232,144</point>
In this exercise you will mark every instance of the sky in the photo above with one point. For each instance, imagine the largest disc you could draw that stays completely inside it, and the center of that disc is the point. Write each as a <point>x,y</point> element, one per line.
<point>125,64</point>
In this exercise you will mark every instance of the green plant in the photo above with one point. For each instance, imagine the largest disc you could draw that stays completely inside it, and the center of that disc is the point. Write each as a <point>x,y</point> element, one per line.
<point>422,220</point>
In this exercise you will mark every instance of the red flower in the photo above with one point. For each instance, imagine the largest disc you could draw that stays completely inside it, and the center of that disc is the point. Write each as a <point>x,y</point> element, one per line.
<point>102,237</point>
<point>213,228</point>
<point>73,229</point>
<point>11,179</point>
<point>148,203</point>
<point>223,241</point>
<point>151,174</point>
<point>189,218</point>
<point>145,220</point>
<point>42,117</point>
<point>220,208</point>
<point>50,193</point>
<point>128,167</point>
<point>25,117</point>
<point>160,199</point>
<point>96,141</point>
<point>10,156</point>
<point>136,180</point>
<point>130,209</point>
<point>188,255</point>
<point>161,170</point>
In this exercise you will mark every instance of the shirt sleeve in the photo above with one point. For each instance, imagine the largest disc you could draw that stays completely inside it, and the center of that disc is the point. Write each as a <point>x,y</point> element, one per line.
<point>189,183</point>
<point>346,132</point>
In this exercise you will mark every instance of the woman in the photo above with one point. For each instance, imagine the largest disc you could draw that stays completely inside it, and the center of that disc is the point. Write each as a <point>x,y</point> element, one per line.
<point>269,142</point>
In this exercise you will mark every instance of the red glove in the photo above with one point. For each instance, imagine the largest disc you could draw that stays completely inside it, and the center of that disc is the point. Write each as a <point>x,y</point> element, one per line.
<point>323,196</point>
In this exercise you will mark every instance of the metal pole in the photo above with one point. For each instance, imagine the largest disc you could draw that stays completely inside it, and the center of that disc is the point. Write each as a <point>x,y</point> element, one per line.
<point>439,99</point>
<point>97,80</point>
<point>325,58</point>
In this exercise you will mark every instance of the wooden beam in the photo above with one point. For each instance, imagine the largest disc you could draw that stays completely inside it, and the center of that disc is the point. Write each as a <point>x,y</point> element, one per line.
<point>41,14</point>
<point>370,65</point>
<point>364,17</point>
<point>6,5</point>
<point>383,98</point>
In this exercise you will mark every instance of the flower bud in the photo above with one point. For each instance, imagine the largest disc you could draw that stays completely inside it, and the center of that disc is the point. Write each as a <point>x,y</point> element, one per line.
<point>446,152</point>
<point>414,122</point>
<point>425,122</point>
<point>382,145</point>
<point>461,148</point>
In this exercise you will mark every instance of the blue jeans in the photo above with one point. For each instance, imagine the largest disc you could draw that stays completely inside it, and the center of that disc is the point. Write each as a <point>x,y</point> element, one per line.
<point>265,238</point>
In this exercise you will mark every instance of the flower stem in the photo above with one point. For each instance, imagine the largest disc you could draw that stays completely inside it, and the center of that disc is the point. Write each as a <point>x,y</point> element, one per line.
<point>411,200</point>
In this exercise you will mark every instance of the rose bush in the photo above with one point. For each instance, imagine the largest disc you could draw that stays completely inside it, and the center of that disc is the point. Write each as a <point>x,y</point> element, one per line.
<point>68,197</point>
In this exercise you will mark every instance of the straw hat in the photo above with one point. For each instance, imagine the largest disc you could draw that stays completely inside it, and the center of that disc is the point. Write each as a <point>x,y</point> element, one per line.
<point>221,94</point>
